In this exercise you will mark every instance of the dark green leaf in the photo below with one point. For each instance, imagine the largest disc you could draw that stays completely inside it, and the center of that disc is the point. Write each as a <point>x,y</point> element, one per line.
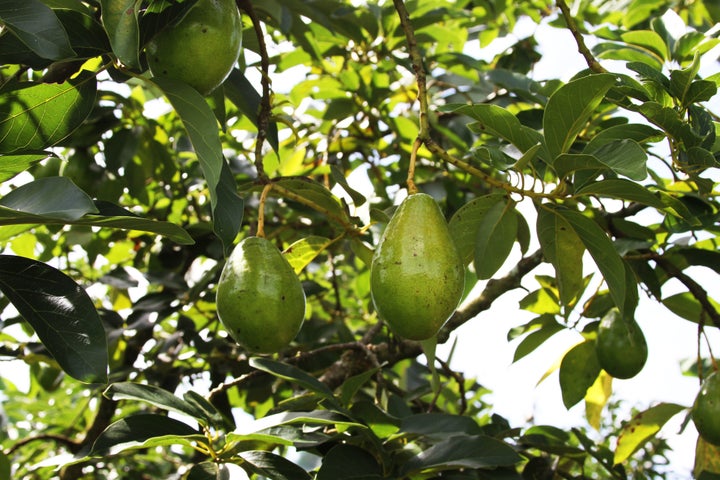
<point>624,157</point>
<point>272,466</point>
<point>463,451</point>
<point>311,193</point>
<point>61,313</point>
<point>465,223</point>
<point>496,121</point>
<point>569,108</point>
<point>686,306</point>
<point>143,430</point>
<point>53,197</point>
<point>353,384</point>
<point>578,370</point>
<point>208,471</point>
<point>36,116</point>
<point>120,18</point>
<point>495,238</point>
<point>622,190</point>
<point>37,26</point>
<point>293,374</point>
<point>563,248</point>
<point>544,327</point>
<point>214,417</point>
<point>202,127</point>
<point>348,462</point>
<point>158,397</point>
<point>438,425</point>
<point>606,258</point>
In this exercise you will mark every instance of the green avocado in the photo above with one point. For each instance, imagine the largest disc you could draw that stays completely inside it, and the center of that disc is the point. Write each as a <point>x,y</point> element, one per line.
<point>621,347</point>
<point>417,277</point>
<point>706,409</point>
<point>260,299</point>
<point>202,48</point>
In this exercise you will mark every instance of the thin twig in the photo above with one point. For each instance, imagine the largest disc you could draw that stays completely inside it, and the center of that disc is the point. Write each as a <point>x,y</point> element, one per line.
<point>579,40</point>
<point>265,106</point>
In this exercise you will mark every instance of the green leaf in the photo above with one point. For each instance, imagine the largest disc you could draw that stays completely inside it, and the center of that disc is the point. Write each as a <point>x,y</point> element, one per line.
<point>143,430</point>
<point>315,417</point>
<point>624,157</point>
<point>304,251</point>
<point>569,108</point>
<point>643,427</point>
<point>686,306</point>
<point>37,26</point>
<point>465,223</point>
<point>202,127</point>
<point>438,425</point>
<point>462,451</point>
<point>495,238</point>
<point>563,248</point>
<point>622,189</point>
<point>496,121</point>
<point>307,190</point>
<point>158,397</point>
<point>213,416</point>
<point>606,258</point>
<point>542,328</point>
<point>53,197</point>
<point>293,374</point>
<point>353,384</point>
<point>61,313</point>
<point>348,462</point>
<point>37,116</point>
<point>120,18</point>
<point>649,40</point>
<point>272,466</point>
<point>11,165</point>
<point>578,370</point>
<point>208,471</point>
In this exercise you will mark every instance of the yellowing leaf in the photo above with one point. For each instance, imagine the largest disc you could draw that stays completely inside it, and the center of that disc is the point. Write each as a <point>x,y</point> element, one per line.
<point>596,398</point>
<point>643,426</point>
<point>707,458</point>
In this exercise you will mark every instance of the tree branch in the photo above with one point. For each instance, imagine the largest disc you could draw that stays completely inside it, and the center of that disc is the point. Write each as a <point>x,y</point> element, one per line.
<point>582,47</point>
<point>265,106</point>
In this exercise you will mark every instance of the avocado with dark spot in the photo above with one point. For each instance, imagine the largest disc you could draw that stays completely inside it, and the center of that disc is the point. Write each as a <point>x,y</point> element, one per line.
<point>417,276</point>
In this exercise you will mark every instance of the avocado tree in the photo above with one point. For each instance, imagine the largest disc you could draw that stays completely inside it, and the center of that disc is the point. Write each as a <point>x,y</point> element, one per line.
<point>178,175</point>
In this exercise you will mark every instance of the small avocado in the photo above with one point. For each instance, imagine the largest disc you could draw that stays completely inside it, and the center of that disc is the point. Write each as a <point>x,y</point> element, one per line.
<point>260,299</point>
<point>621,347</point>
<point>202,48</point>
<point>417,277</point>
<point>706,410</point>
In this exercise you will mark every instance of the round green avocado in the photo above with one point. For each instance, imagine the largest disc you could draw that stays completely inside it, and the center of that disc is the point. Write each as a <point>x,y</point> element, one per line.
<point>621,347</point>
<point>202,48</point>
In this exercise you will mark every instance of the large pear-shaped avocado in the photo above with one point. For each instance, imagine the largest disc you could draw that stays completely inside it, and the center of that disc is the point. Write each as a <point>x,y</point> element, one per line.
<point>202,48</point>
<point>706,409</point>
<point>417,276</point>
<point>260,299</point>
<point>621,347</point>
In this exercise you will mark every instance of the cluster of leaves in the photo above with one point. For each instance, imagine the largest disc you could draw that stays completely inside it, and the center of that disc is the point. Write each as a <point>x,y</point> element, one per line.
<point>117,217</point>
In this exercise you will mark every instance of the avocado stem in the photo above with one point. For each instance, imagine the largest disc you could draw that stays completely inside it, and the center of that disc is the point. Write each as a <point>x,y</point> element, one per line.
<point>261,211</point>
<point>412,188</point>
